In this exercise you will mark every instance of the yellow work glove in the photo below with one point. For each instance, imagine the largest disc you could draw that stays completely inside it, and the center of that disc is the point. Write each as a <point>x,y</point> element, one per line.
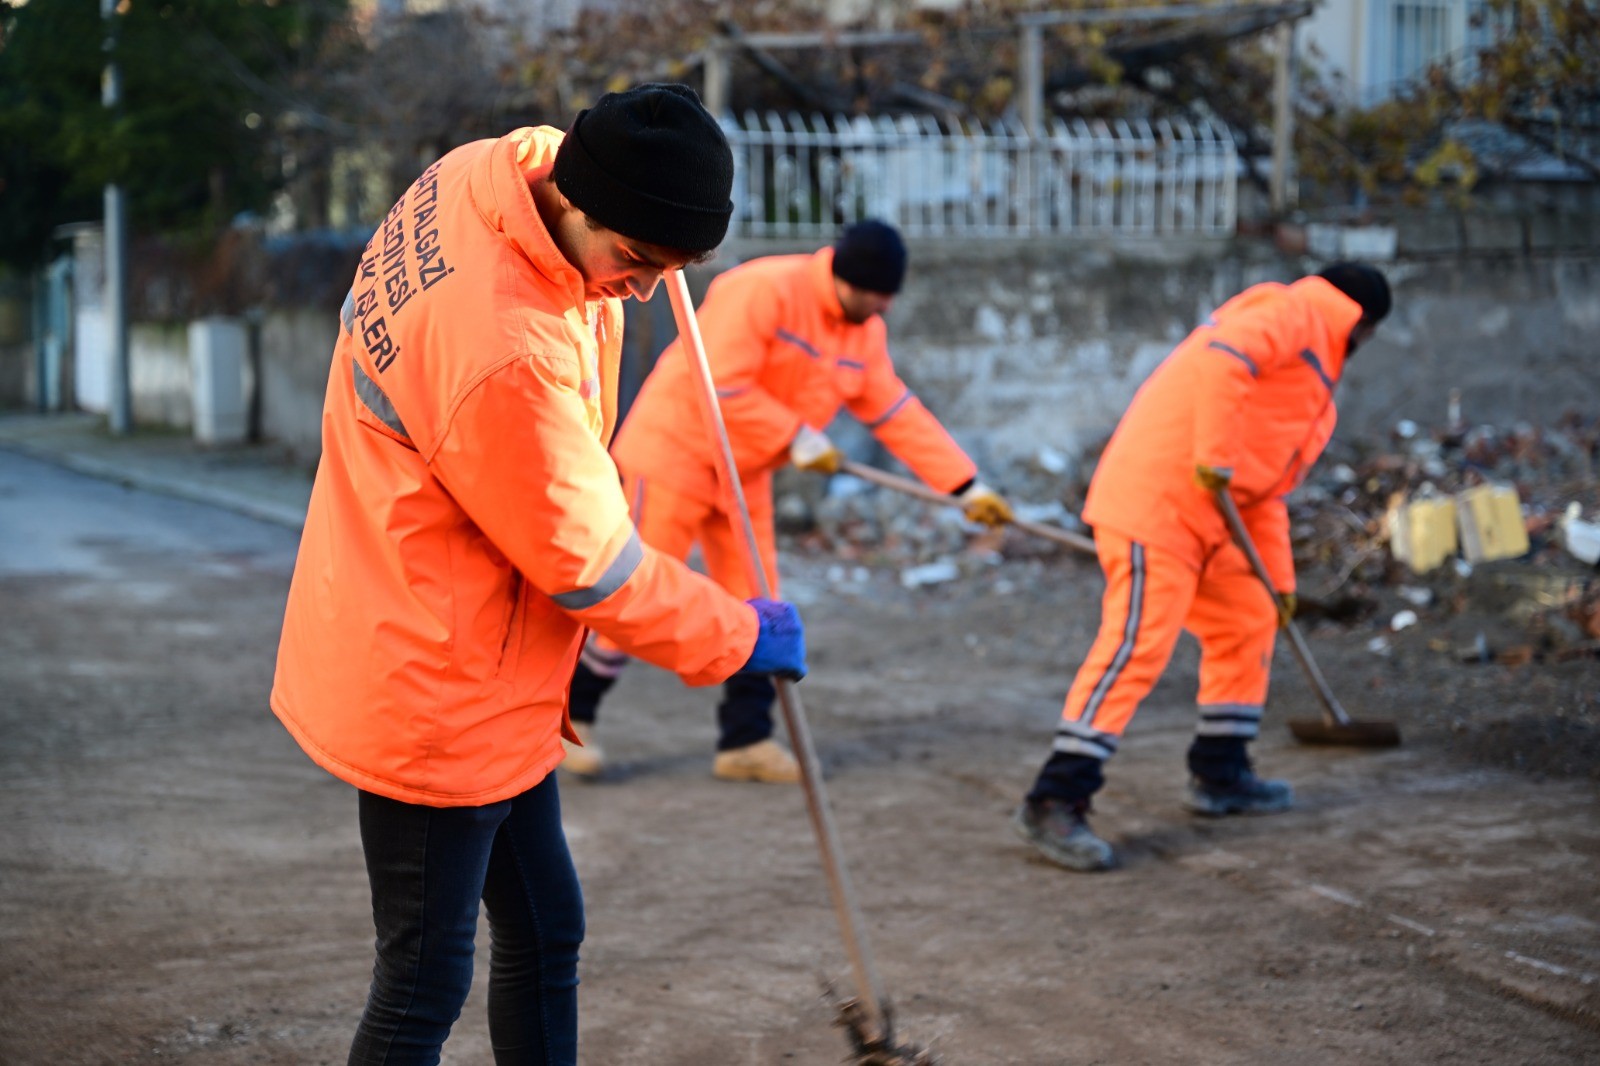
<point>1212,478</point>
<point>1287,602</point>
<point>812,450</point>
<point>983,504</point>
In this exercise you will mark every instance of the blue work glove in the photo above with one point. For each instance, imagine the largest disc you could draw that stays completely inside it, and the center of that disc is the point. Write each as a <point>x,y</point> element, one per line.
<point>780,642</point>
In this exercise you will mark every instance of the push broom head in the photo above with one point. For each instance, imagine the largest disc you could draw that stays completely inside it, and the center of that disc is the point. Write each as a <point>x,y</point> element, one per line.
<point>868,1048</point>
<point>1352,734</point>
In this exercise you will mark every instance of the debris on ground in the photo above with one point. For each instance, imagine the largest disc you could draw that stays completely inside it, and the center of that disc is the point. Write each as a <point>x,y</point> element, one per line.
<point>1439,523</point>
<point>1580,538</point>
<point>1429,531</point>
<point>1490,517</point>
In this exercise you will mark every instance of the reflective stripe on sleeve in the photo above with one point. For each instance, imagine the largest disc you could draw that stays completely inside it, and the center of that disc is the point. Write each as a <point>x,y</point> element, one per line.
<point>1255,371</point>
<point>616,575</point>
<point>372,396</point>
<point>1316,364</point>
<point>799,342</point>
<point>894,409</point>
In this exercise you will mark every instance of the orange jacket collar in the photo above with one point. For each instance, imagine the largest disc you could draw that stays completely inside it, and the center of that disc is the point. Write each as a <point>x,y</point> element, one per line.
<point>822,280</point>
<point>1338,310</point>
<point>500,188</point>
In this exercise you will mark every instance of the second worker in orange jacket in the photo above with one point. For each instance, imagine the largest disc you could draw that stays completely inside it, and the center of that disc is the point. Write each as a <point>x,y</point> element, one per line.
<point>791,339</point>
<point>1244,405</point>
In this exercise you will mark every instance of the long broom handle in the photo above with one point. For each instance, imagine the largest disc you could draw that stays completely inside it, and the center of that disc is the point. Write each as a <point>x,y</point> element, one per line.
<point>869,990</point>
<point>1073,540</point>
<point>1241,536</point>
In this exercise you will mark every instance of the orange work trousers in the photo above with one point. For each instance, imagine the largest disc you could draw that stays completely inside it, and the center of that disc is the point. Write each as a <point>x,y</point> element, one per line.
<point>673,523</point>
<point>1151,596</point>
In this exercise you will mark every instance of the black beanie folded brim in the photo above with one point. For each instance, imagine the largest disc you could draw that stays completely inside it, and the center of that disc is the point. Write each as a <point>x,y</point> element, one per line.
<point>1363,283</point>
<point>653,165</point>
<point>634,213</point>
<point>870,255</point>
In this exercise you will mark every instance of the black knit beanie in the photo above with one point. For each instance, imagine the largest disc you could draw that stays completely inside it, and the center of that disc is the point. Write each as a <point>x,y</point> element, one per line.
<point>652,164</point>
<point>870,255</point>
<point>1364,284</point>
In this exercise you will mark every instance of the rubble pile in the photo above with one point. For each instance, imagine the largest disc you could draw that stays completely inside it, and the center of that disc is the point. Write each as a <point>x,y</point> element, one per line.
<point>1402,527</point>
<point>1419,527</point>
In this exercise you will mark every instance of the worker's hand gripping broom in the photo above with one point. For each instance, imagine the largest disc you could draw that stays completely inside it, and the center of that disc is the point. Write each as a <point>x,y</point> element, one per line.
<point>866,1018</point>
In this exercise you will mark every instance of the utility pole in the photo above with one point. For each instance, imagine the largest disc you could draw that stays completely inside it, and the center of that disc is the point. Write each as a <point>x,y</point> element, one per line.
<point>1030,56</point>
<point>1282,189</point>
<point>119,409</point>
<point>714,90</point>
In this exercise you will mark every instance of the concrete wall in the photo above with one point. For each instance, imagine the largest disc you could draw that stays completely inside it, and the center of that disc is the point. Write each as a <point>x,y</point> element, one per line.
<point>158,374</point>
<point>1026,348</point>
<point>1520,337</point>
<point>295,348</point>
<point>1030,352</point>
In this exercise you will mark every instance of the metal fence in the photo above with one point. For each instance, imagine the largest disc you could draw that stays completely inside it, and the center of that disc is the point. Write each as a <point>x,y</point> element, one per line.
<point>804,176</point>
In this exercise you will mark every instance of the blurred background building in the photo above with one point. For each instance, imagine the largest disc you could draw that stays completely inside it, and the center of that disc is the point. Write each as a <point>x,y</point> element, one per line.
<point>1080,182</point>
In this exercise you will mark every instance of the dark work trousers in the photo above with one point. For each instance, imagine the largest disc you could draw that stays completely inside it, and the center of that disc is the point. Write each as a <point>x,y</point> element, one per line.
<point>429,867</point>
<point>744,716</point>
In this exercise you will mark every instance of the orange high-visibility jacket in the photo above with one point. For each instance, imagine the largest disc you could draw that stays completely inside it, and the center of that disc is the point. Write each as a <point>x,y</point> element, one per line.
<point>782,353</point>
<point>466,523</point>
<point>1251,391</point>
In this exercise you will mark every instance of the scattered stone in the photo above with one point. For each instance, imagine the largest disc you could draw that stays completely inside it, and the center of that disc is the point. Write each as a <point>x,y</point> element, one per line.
<point>929,574</point>
<point>1581,539</point>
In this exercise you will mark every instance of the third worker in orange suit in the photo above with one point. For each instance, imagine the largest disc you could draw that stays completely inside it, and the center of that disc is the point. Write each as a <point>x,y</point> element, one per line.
<point>1244,404</point>
<point>791,339</point>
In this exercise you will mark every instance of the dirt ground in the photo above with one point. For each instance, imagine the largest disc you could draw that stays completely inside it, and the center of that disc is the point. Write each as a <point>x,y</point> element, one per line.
<point>178,883</point>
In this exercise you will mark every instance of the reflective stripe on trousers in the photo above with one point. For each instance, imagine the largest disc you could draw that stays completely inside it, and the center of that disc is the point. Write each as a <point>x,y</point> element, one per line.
<point>1151,597</point>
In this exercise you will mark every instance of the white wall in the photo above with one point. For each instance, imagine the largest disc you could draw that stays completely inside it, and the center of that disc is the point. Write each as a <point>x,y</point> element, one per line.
<point>1374,47</point>
<point>1331,39</point>
<point>91,370</point>
<point>158,374</point>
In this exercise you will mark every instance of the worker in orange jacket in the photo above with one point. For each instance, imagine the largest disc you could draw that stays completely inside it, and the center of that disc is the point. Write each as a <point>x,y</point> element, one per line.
<point>467,526</point>
<point>791,340</point>
<point>1243,405</point>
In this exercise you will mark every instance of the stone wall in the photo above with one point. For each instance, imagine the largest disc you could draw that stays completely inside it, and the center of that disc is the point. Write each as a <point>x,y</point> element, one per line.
<point>293,350</point>
<point>1030,352</point>
<point>158,374</point>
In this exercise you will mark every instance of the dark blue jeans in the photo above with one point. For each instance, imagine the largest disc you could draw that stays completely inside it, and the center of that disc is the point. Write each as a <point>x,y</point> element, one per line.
<point>429,867</point>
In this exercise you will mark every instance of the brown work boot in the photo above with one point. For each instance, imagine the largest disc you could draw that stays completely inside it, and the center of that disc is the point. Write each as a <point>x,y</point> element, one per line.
<point>588,760</point>
<point>765,761</point>
<point>1059,831</point>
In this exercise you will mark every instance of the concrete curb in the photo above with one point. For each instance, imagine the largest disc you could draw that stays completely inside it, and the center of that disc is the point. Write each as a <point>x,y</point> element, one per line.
<point>193,491</point>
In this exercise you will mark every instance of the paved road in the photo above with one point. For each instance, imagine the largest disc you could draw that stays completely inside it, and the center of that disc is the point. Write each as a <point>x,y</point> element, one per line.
<point>53,522</point>
<point>178,883</point>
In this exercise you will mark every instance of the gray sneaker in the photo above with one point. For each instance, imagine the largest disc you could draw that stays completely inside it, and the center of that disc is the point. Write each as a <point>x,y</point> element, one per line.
<point>1248,795</point>
<point>1057,829</point>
